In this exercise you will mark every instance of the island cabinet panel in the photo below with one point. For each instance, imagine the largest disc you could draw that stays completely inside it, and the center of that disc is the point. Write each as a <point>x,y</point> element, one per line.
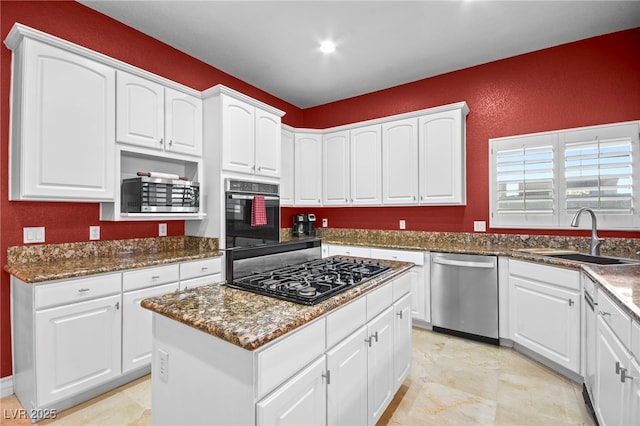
<point>300,401</point>
<point>380,365</point>
<point>402,340</point>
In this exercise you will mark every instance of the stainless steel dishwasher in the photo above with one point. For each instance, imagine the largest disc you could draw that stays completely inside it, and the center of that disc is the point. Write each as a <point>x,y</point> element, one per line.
<point>464,295</point>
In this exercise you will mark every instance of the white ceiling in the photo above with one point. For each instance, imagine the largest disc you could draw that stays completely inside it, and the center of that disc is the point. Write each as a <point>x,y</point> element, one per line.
<point>274,45</point>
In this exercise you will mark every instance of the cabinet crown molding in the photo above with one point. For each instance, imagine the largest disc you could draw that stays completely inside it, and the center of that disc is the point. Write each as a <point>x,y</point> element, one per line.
<point>219,89</point>
<point>20,31</point>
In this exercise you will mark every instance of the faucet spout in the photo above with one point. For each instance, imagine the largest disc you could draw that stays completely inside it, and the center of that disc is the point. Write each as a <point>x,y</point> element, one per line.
<point>594,248</point>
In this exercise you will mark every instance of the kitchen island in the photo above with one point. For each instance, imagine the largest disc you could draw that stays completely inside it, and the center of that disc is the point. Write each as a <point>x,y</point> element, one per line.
<point>227,356</point>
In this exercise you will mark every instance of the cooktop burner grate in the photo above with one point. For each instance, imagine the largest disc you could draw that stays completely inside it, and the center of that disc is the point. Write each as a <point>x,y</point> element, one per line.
<point>311,282</point>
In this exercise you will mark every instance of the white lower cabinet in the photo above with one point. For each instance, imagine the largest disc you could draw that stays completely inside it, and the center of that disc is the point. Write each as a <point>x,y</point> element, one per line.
<point>80,347</point>
<point>301,400</point>
<point>348,384</point>
<point>380,365</point>
<point>136,326</point>
<point>402,340</point>
<point>544,311</point>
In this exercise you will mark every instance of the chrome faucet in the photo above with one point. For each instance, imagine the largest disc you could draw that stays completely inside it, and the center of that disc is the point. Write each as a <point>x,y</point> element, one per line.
<point>594,248</point>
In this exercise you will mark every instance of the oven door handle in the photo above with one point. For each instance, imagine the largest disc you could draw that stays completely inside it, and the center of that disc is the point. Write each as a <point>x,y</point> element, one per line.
<point>250,197</point>
<point>485,265</point>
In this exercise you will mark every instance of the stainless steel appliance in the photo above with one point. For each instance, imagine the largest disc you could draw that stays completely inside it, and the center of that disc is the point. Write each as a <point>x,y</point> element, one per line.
<point>154,194</point>
<point>464,295</point>
<point>242,199</point>
<point>304,225</point>
<point>591,318</point>
<point>311,282</point>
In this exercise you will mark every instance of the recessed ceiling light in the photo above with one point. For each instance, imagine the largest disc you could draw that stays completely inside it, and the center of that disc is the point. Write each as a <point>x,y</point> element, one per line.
<point>327,46</point>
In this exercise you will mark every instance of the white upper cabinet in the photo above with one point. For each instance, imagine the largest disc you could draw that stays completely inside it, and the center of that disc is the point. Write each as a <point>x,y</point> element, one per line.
<point>442,157</point>
<point>157,117</point>
<point>287,166</point>
<point>335,169</point>
<point>366,165</point>
<point>63,126</point>
<point>308,170</point>
<point>250,139</point>
<point>400,162</point>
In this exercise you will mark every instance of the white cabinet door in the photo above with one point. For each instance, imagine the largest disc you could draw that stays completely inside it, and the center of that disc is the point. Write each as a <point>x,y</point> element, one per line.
<point>442,158</point>
<point>287,167</point>
<point>335,169</point>
<point>300,401</point>
<point>402,340</point>
<point>400,162</point>
<point>183,123</point>
<point>267,144</point>
<point>78,347</point>
<point>633,388</point>
<point>347,387</point>
<point>136,326</point>
<point>366,165</point>
<point>238,136</point>
<point>308,170</point>
<point>63,133</point>
<point>380,365</point>
<point>610,357</point>
<point>546,319</point>
<point>140,111</point>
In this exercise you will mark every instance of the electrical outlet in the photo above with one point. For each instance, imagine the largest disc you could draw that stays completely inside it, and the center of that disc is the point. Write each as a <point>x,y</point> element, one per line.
<point>325,223</point>
<point>403,224</point>
<point>162,230</point>
<point>163,365</point>
<point>94,232</point>
<point>33,235</point>
<point>479,226</point>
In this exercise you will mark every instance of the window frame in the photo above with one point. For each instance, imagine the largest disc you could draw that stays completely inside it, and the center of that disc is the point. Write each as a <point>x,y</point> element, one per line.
<point>560,217</point>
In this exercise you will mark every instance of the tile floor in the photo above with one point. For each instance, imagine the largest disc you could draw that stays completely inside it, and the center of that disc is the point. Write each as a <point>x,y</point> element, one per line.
<point>453,381</point>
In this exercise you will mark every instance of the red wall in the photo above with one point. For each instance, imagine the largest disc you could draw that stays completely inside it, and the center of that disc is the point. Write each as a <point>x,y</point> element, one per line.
<point>589,82</point>
<point>69,222</point>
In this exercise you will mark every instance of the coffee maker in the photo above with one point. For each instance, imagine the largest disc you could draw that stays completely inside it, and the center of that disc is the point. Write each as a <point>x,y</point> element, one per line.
<point>304,225</point>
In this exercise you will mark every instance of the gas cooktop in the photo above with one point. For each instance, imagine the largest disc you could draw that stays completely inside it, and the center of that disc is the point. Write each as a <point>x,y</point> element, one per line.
<point>311,282</point>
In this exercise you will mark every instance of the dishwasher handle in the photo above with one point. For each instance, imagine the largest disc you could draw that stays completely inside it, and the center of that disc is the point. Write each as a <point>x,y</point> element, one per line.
<point>464,263</point>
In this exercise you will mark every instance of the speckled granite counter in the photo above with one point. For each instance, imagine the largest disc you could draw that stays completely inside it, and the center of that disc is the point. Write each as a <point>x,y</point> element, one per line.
<point>250,320</point>
<point>46,262</point>
<point>622,282</point>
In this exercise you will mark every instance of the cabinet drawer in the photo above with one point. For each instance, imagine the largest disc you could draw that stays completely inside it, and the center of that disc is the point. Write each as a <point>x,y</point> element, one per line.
<point>78,290</point>
<point>200,281</point>
<point>343,321</point>
<point>147,277</point>
<point>416,257</point>
<point>283,359</point>
<point>617,319</point>
<point>569,278</point>
<point>339,250</point>
<point>379,300</point>
<point>200,268</point>
<point>402,285</point>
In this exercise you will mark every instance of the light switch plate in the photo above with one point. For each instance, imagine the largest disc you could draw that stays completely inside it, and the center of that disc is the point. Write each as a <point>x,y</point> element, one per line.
<point>403,224</point>
<point>479,226</point>
<point>94,232</point>
<point>33,235</point>
<point>162,230</point>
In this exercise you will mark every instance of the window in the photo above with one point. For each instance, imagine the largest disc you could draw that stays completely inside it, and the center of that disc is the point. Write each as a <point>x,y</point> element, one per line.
<point>541,180</point>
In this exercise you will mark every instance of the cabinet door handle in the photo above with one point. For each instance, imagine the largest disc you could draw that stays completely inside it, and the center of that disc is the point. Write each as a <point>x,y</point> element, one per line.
<point>570,302</point>
<point>204,268</point>
<point>369,341</point>
<point>399,314</point>
<point>618,367</point>
<point>375,336</point>
<point>623,375</point>
<point>155,277</point>
<point>117,305</point>
<point>83,290</point>
<point>604,314</point>
<point>161,141</point>
<point>327,376</point>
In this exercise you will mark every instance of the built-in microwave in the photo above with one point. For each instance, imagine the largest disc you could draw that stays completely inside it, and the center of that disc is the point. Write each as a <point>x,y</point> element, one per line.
<point>159,195</point>
<point>243,201</point>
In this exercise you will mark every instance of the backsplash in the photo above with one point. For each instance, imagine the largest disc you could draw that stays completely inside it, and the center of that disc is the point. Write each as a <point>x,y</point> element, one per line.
<point>619,247</point>
<point>108,248</point>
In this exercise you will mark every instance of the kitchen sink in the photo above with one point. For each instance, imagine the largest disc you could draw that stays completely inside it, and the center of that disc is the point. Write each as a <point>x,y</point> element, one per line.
<point>599,260</point>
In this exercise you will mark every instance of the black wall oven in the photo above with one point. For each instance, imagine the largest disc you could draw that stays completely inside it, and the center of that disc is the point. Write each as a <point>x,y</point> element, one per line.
<point>252,213</point>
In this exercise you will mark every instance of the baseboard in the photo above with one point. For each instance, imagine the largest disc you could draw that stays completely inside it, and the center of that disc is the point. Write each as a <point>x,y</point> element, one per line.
<point>6,386</point>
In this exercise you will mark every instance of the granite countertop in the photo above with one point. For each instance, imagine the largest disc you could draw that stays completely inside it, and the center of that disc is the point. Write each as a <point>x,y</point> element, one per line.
<point>250,320</point>
<point>621,282</point>
<point>48,262</point>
